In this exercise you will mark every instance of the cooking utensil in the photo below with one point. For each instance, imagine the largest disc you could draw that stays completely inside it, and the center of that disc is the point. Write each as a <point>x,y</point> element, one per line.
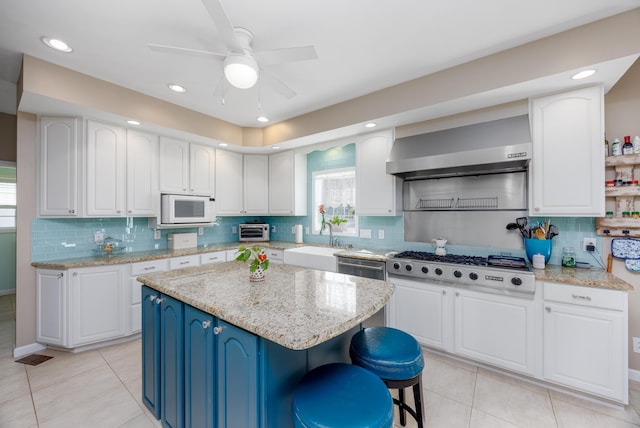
<point>540,233</point>
<point>553,231</point>
<point>512,226</point>
<point>522,223</point>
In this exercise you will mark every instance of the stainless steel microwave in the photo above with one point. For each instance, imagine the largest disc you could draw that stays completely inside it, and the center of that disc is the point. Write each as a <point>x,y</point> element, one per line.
<point>187,209</point>
<point>253,232</point>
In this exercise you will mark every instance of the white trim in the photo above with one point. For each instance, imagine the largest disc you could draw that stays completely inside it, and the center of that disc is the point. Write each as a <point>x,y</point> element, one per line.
<point>634,375</point>
<point>28,349</point>
<point>9,291</point>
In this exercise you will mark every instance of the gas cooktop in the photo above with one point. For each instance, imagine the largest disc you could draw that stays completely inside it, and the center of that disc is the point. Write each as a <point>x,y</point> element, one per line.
<point>498,272</point>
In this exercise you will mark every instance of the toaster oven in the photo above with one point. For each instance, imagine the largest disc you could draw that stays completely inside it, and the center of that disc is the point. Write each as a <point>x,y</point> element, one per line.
<point>253,232</point>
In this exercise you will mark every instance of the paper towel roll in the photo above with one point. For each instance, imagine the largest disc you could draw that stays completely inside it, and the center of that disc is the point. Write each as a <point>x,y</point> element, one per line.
<point>298,232</point>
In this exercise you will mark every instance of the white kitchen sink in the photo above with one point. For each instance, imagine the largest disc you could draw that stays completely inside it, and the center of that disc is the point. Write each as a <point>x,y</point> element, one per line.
<point>321,258</point>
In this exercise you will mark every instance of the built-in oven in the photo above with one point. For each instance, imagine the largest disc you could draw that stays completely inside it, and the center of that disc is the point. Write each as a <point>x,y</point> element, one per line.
<point>368,269</point>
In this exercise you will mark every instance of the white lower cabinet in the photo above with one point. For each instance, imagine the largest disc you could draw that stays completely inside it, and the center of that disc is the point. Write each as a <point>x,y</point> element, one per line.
<point>585,339</point>
<point>275,256</point>
<point>495,329</point>
<point>134,291</point>
<point>214,257</point>
<point>81,306</point>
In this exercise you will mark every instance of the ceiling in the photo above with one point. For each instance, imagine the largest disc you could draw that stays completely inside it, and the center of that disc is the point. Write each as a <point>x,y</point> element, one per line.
<point>362,45</point>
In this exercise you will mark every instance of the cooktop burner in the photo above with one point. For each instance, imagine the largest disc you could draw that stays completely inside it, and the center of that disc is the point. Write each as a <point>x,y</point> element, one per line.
<point>449,258</point>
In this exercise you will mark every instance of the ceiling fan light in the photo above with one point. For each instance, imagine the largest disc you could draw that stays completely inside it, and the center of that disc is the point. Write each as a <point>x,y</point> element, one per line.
<point>241,71</point>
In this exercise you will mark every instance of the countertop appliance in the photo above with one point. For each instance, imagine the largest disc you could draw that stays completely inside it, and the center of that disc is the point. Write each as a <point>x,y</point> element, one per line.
<point>253,232</point>
<point>495,273</point>
<point>369,269</point>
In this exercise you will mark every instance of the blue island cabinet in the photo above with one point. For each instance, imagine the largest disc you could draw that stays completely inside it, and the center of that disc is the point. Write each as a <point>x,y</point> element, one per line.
<point>199,371</point>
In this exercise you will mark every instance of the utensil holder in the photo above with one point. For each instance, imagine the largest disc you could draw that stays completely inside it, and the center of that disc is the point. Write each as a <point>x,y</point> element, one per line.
<point>538,246</point>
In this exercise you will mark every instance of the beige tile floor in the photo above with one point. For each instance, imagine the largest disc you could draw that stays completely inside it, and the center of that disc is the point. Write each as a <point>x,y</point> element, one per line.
<point>101,388</point>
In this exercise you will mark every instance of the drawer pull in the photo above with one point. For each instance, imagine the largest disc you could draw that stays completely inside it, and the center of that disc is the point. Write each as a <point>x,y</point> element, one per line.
<point>184,263</point>
<point>547,308</point>
<point>206,324</point>
<point>152,297</point>
<point>60,275</point>
<point>150,268</point>
<point>217,330</point>
<point>159,300</point>
<point>577,296</point>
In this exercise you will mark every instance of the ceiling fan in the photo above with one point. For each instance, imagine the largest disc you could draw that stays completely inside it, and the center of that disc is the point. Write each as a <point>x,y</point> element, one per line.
<point>243,66</point>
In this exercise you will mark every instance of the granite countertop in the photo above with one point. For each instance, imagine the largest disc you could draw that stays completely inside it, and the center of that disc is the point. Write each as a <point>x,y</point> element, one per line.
<point>294,307</point>
<point>599,278</point>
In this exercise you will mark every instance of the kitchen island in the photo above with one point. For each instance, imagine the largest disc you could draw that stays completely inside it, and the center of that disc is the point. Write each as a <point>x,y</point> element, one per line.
<point>223,351</point>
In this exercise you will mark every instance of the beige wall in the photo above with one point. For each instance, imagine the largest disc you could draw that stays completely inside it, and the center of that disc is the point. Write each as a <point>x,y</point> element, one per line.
<point>26,210</point>
<point>622,117</point>
<point>7,137</point>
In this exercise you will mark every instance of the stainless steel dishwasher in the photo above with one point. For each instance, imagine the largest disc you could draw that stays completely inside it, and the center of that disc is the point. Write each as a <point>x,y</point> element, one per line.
<point>368,269</point>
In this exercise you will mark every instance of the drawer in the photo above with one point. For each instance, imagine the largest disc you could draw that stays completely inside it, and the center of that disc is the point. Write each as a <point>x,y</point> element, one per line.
<point>151,266</point>
<point>231,255</point>
<point>275,254</point>
<point>215,257</point>
<point>184,261</point>
<point>585,296</point>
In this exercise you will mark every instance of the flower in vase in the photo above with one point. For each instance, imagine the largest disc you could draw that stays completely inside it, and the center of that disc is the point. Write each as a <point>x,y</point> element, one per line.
<point>256,254</point>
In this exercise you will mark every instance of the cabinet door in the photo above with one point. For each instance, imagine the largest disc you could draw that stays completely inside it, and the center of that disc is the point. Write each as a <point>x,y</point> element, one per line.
<point>567,168</point>
<point>495,329</point>
<point>202,170</point>
<point>199,368</point>
<point>97,304</point>
<point>423,311</point>
<point>58,167</point>
<point>228,183</point>
<point>377,192</point>
<point>105,169</point>
<point>51,307</point>
<point>151,350</point>
<point>174,166</point>
<point>288,183</point>
<point>172,362</point>
<point>584,348</point>
<point>142,174</point>
<point>256,184</point>
<point>237,377</point>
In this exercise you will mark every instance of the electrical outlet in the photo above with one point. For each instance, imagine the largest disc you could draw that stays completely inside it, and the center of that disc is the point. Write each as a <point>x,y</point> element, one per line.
<point>587,242</point>
<point>157,234</point>
<point>98,237</point>
<point>201,231</point>
<point>273,229</point>
<point>636,344</point>
<point>234,229</point>
<point>381,234</point>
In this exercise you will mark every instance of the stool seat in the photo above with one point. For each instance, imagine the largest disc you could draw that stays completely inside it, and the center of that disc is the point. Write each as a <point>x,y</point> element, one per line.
<point>342,395</point>
<point>388,352</point>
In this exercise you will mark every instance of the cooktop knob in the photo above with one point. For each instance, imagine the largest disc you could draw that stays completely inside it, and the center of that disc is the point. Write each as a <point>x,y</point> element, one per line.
<point>425,269</point>
<point>457,274</point>
<point>516,281</point>
<point>473,276</point>
<point>396,266</point>
<point>409,268</point>
<point>438,271</point>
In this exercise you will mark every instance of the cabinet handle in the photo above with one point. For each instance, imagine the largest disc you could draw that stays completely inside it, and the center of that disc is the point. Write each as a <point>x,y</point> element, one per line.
<point>547,308</point>
<point>576,296</point>
<point>159,300</point>
<point>457,293</point>
<point>217,330</point>
<point>72,211</point>
<point>130,211</point>
<point>150,268</point>
<point>152,297</point>
<point>444,292</point>
<point>75,274</point>
<point>206,324</point>
<point>60,275</point>
<point>184,263</point>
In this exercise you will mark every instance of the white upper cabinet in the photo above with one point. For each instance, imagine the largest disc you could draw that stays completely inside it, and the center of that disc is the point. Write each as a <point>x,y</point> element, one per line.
<point>105,170</point>
<point>228,183</point>
<point>567,170</point>
<point>59,165</point>
<point>377,193</point>
<point>142,174</point>
<point>242,184</point>
<point>256,184</point>
<point>288,183</point>
<point>186,168</point>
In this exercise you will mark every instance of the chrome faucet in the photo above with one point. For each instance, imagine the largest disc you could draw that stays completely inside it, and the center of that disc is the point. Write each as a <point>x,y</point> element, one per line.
<point>330,234</point>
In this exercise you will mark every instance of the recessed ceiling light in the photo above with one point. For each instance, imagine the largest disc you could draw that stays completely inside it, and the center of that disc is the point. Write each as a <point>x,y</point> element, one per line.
<point>177,88</point>
<point>133,122</point>
<point>275,147</point>
<point>56,44</point>
<point>223,144</point>
<point>263,119</point>
<point>583,74</point>
<point>370,125</point>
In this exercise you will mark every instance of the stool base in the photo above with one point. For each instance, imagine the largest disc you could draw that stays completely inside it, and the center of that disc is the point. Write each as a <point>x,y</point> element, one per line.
<point>403,406</point>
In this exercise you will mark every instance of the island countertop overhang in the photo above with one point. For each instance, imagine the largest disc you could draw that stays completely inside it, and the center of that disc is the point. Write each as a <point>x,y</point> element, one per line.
<point>295,307</point>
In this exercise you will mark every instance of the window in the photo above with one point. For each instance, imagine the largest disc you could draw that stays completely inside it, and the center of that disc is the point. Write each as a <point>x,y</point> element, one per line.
<point>7,205</point>
<point>336,191</point>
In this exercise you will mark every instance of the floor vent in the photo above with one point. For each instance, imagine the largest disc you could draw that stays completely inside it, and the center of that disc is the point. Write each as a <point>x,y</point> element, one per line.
<point>34,359</point>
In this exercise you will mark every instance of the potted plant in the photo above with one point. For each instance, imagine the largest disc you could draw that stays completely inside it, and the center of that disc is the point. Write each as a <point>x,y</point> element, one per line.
<point>337,222</point>
<point>259,262</point>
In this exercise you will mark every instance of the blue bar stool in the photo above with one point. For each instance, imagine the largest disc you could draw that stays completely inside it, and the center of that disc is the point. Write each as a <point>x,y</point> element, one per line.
<point>396,357</point>
<point>341,395</point>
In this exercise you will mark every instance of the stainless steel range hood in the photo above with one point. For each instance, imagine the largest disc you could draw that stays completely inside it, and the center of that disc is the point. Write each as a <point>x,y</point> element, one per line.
<point>502,145</point>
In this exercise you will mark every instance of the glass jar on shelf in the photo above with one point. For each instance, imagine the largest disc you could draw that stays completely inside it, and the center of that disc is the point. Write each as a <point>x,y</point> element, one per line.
<point>568,257</point>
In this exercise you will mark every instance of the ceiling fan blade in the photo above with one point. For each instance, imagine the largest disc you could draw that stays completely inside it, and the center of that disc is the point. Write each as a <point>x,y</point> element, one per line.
<point>223,24</point>
<point>276,84</point>
<point>185,51</point>
<point>279,56</point>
